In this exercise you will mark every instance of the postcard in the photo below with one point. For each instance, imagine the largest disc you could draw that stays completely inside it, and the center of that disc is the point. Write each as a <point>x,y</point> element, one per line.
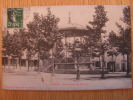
<point>77,47</point>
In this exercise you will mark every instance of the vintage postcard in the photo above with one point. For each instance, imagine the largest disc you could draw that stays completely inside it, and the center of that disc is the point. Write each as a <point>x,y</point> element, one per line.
<point>84,47</point>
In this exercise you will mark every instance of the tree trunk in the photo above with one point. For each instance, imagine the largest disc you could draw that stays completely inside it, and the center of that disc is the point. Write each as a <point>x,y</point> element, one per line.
<point>115,62</point>
<point>20,62</point>
<point>53,59</point>
<point>17,63</point>
<point>3,63</point>
<point>128,65</point>
<point>99,62</point>
<point>9,62</point>
<point>38,61</point>
<point>28,64</point>
<point>53,67</point>
<point>77,68</point>
<point>112,64</point>
<point>103,66</point>
<point>123,64</point>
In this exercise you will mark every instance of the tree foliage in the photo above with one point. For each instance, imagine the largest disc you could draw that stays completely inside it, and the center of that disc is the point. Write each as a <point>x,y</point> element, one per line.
<point>122,41</point>
<point>99,22</point>
<point>43,33</point>
<point>14,44</point>
<point>39,37</point>
<point>124,38</point>
<point>96,29</point>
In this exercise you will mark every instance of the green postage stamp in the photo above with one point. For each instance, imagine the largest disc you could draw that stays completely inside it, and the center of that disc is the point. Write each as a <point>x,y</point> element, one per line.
<point>14,17</point>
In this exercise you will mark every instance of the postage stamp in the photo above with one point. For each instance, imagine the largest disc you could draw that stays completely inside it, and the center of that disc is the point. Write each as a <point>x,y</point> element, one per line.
<point>14,17</point>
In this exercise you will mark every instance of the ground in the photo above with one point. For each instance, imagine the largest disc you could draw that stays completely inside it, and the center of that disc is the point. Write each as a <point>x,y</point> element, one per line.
<point>21,79</point>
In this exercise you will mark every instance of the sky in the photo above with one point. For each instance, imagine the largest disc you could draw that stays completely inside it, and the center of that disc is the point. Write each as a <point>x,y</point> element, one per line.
<point>79,15</point>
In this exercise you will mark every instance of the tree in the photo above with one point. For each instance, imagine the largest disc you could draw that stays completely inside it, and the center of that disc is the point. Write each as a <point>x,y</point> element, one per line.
<point>113,47</point>
<point>7,43</point>
<point>14,43</point>
<point>76,53</point>
<point>125,36</point>
<point>43,33</point>
<point>7,47</point>
<point>97,27</point>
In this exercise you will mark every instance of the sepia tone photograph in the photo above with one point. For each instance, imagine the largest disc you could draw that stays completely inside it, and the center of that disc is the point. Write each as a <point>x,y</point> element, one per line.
<point>67,47</point>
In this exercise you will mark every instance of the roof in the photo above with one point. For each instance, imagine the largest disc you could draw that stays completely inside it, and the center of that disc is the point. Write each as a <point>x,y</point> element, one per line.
<point>71,29</point>
<point>72,26</point>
